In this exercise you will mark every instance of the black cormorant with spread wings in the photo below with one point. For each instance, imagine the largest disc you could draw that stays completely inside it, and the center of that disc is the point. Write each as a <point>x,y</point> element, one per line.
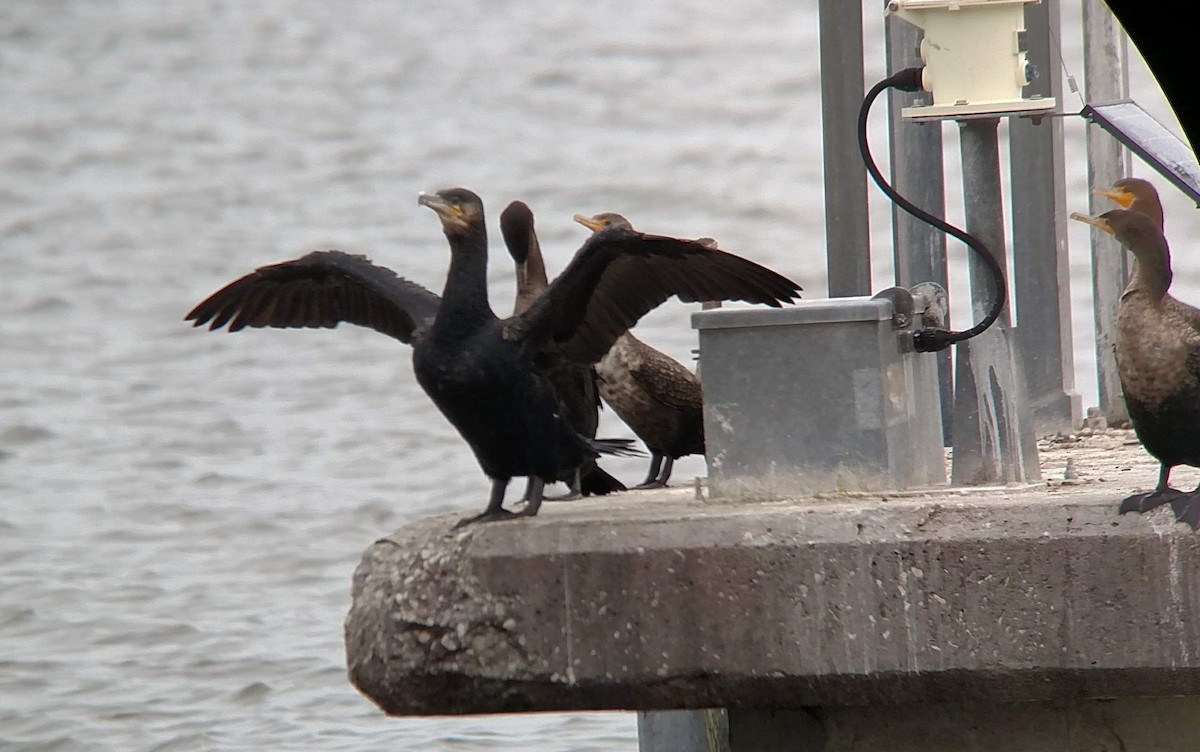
<point>484,373</point>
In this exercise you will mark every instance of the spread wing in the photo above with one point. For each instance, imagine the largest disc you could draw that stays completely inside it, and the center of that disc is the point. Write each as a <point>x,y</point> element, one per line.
<point>619,275</point>
<point>321,290</point>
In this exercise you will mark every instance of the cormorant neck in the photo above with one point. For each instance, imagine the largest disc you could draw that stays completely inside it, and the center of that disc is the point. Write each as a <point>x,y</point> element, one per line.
<point>466,293</point>
<point>1152,274</point>
<point>533,271</point>
<point>1151,209</point>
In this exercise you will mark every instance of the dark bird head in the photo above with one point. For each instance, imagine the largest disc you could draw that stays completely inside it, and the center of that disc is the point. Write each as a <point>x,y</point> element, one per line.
<point>1135,194</point>
<point>604,221</point>
<point>459,209</point>
<point>1136,231</point>
<point>516,225</point>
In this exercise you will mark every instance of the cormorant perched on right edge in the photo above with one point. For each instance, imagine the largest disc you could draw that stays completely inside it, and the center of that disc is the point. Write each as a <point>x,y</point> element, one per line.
<point>1158,360</point>
<point>485,373</point>
<point>1136,194</point>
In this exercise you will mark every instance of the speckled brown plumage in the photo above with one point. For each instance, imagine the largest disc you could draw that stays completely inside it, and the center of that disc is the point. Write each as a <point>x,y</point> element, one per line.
<point>1158,359</point>
<point>659,399</point>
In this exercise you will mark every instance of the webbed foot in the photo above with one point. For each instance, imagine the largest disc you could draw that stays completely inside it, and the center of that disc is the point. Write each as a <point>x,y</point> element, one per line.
<point>655,483</point>
<point>575,486</point>
<point>1187,508</point>
<point>1144,502</point>
<point>495,509</point>
<point>525,497</point>
<point>536,486</point>
<point>660,472</point>
<point>489,516</point>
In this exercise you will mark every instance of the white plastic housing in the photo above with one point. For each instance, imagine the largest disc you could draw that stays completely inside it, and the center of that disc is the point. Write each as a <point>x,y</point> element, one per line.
<point>974,61</point>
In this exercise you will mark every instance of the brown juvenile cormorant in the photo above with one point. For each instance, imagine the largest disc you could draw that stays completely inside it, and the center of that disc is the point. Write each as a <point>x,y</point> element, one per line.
<point>1135,194</point>
<point>1158,360</point>
<point>485,373</point>
<point>656,396</point>
<point>574,383</point>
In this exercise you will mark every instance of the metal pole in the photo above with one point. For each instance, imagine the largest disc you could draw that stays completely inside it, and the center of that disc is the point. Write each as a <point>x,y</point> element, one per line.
<point>917,169</point>
<point>1106,72</point>
<point>984,206</point>
<point>1041,267</point>
<point>847,229</point>
<point>993,433</point>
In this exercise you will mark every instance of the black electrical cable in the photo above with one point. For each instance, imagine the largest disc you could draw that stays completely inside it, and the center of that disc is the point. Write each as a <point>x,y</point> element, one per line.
<point>929,340</point>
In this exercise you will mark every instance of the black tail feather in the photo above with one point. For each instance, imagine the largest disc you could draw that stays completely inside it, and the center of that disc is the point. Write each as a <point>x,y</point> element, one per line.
<point>593,481</point>
<point>616,447</point>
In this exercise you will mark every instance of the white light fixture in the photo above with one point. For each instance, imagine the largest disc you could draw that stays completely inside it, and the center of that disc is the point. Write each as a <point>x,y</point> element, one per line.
<point>974,56</point>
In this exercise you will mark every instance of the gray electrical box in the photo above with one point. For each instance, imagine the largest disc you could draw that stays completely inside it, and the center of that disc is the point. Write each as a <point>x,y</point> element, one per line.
<point>825,395</point>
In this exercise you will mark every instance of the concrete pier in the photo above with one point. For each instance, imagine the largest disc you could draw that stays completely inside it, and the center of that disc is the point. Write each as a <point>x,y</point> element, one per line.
<point>1028,604</point>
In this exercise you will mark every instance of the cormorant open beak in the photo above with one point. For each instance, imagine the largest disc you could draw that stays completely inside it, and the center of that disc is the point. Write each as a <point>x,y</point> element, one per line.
<point>589,223</point>
<point>451,215</point>
<point>1098,222</point>
<point>1123,198</point>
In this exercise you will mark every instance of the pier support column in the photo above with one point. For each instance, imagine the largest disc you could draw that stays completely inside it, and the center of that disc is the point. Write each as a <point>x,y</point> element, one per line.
<point>1165,724</point>
<point>683,731</point>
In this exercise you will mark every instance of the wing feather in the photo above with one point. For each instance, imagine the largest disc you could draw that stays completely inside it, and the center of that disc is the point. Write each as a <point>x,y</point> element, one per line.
<point>321,290</point>
<point>665,379</point>
<point>619,275</point>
